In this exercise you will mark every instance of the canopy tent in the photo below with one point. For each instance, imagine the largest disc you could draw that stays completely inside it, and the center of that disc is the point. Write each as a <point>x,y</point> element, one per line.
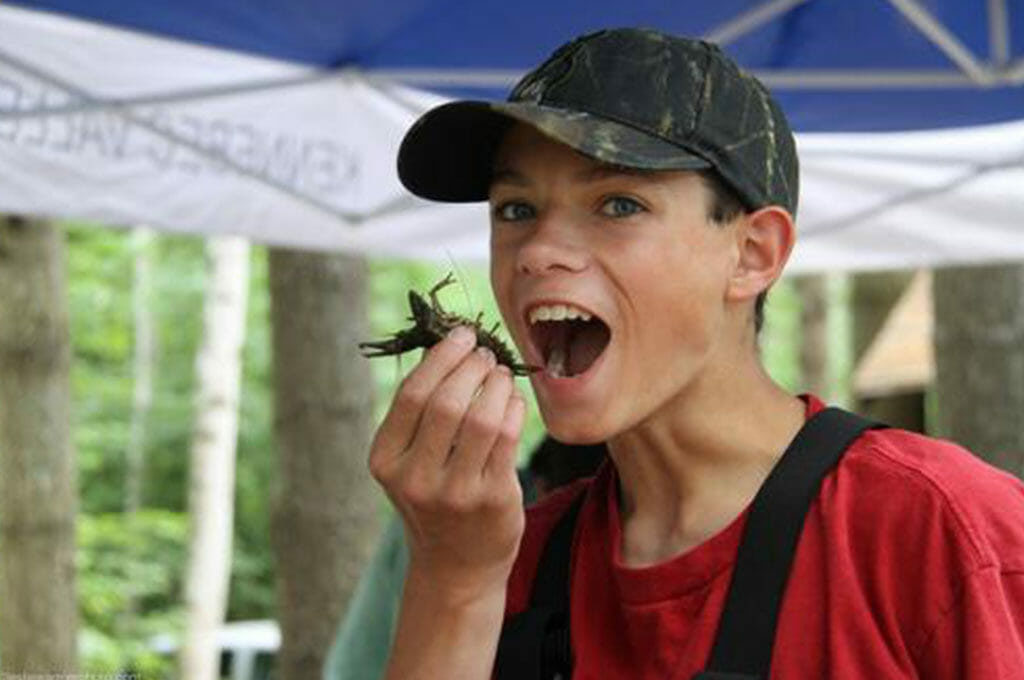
<point>281,120</point>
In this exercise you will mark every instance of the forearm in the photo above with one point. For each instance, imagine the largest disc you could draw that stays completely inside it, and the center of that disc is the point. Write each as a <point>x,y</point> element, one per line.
<point>446,454</point>
<point>441,635</point>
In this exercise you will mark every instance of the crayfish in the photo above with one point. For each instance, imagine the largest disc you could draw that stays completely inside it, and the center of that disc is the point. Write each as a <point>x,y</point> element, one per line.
<point>431,323</point>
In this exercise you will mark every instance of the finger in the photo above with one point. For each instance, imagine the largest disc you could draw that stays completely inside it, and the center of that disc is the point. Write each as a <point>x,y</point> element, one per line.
<point>501,464</point>
<point>480,427</point>
<point>448,406</point>
<point>397,429</point>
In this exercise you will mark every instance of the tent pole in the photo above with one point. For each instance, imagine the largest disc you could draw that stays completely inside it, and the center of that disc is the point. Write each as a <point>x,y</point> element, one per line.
<point>812,79</point>
<point>998,33</point>
<point>1015,74</point>
<point>447,77</point>
<point>938,34</point>
<point>746,22</point>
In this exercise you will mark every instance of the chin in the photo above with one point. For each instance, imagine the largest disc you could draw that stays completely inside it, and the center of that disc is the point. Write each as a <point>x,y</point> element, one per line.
<point>575,429</point>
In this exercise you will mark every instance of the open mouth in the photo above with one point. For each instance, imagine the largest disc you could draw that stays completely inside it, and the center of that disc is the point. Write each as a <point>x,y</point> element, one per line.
<point>568,338</point>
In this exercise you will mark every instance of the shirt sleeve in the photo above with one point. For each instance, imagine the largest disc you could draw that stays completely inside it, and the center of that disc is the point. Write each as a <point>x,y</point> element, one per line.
<point>982,635</point>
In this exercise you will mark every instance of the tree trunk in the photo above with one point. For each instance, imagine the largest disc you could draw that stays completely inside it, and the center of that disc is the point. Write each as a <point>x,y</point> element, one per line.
<point>813,293</point>
<point>979,360</point>
<point>212,471</point>
<point>323,522</point>
<point>38,604</point>
<point>142,396</point>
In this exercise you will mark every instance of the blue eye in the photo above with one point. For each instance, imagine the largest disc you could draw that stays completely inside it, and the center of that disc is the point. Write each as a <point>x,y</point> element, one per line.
<point>514,211</point>
<point>621,206</point>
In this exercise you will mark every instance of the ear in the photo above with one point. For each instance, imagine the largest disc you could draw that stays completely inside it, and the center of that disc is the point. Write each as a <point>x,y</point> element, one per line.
<point>764,240</point>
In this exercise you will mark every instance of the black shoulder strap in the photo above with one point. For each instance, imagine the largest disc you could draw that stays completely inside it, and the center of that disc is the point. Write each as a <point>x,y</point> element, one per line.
<point>746,631</point>
<point>536,643</point>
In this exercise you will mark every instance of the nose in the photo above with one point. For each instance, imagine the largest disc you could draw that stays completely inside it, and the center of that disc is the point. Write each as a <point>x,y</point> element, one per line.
<point>554,244</point>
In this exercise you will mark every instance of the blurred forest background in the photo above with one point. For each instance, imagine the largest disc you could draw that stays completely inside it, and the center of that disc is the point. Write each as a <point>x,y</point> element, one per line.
<point>131,564</point>
<point>136,304</point>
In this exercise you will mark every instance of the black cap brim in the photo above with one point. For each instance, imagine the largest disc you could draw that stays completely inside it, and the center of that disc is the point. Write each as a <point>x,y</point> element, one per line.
<point>448,154</point>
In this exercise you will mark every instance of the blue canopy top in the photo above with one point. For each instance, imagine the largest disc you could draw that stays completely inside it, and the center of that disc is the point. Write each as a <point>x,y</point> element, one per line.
<point>835,65</point>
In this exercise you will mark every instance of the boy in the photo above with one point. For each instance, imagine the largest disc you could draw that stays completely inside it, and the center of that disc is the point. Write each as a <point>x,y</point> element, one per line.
<point>643,192</point>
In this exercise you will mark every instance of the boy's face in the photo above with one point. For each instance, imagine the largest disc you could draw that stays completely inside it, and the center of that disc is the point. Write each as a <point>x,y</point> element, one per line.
<point>634,250</point>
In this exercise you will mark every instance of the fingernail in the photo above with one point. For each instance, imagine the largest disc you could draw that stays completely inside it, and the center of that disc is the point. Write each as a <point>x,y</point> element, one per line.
<point>463,335</point>
<point>485,353</point>
<point>502,368</point>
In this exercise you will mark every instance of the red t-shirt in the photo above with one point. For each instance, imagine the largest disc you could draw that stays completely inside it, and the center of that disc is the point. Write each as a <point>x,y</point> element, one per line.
<point>910,565</point>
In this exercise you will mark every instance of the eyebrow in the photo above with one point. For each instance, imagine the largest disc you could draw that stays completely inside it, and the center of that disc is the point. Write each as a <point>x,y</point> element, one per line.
<point>507,175</point>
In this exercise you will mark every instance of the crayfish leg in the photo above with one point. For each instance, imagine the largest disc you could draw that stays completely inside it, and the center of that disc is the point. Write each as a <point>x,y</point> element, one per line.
<point>524,369</point>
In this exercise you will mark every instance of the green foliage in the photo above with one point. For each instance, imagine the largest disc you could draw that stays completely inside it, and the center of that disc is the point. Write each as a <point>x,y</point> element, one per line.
<point>780,338</point>
<point>129,582</point>
<point>100,270</point>
<point>99,286</point>
<point>779,346</point>
<point>179,278</point>
<point>252,577</point>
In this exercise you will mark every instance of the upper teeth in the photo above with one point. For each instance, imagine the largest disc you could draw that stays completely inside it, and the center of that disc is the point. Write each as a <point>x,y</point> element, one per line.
<point>557,313</point>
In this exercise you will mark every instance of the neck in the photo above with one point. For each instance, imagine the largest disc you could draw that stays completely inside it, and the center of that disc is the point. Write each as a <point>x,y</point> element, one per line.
<point>691,468</point>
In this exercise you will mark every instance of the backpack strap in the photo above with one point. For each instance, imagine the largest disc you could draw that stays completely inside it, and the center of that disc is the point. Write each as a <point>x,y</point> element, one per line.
<point>746,631</point>
<point>535,643</point>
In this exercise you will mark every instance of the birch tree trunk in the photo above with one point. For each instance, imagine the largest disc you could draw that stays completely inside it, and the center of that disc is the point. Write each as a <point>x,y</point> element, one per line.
<point>323,522</point>
<point>979,360</point>
<point>212,472</point>
<point>38,604</point>
<point>142,396</point>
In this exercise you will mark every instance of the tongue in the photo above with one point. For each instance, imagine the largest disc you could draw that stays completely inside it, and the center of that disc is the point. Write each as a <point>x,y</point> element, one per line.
<point>558,350</point>
<point>556,362</point>
<point>574,347</point>
<point>585,346</point>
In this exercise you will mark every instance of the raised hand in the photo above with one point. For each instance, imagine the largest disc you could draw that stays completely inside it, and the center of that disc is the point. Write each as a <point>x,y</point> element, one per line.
<point>445,454</point>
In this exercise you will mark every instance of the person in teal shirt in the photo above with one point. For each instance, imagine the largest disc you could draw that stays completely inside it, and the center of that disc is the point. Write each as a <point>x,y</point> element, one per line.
<point>361,646</point>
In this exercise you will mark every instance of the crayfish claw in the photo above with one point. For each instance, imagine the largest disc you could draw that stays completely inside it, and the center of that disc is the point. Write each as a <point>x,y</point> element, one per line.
<point>381,348</point>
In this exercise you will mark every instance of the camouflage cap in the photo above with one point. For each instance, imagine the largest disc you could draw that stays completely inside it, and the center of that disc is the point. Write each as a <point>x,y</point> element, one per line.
<point>632,97</point>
